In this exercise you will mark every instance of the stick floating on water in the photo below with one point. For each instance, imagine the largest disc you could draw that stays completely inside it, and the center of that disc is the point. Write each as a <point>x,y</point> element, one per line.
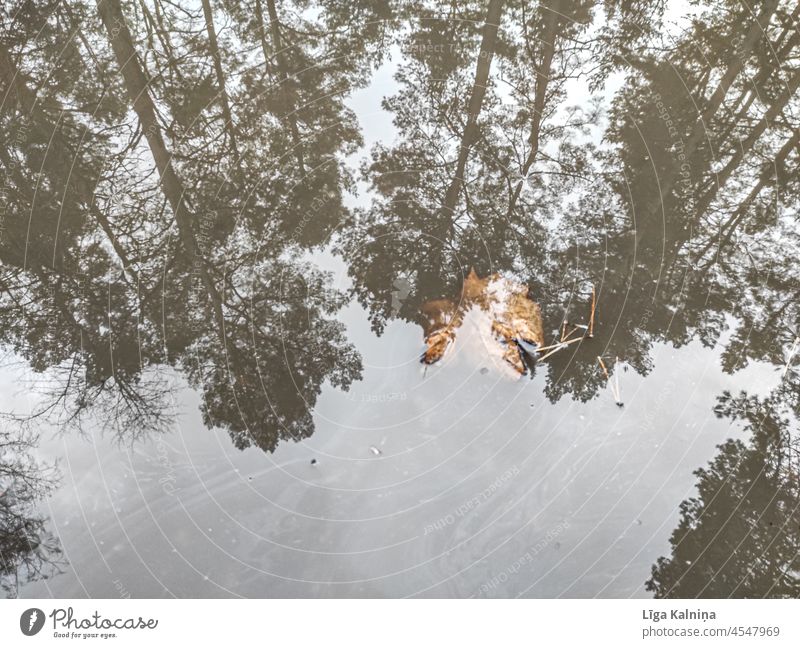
<point>603,367</point>
<point>565,338</point>
<point>557,346</point>
<point>615,385</point>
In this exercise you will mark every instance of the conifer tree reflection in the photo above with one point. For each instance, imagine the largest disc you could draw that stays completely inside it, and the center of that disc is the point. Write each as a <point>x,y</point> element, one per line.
<point>169,229</point>
<point>740,535</point>
<point>188,156</point>
<point>508,179</point>
<point>458,188</point>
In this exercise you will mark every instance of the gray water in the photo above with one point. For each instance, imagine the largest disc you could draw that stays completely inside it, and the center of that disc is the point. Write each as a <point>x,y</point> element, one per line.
<point>482,488</point>
<point>212,385</point>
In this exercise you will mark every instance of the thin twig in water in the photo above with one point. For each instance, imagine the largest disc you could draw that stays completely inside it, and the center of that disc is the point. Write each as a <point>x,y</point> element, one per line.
<point>615,386</point>
<point>603,367</point>
<point>566,338</point>
<point>559,345</point>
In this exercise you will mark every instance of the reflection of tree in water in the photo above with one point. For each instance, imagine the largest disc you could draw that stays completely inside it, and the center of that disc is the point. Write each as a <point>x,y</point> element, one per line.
<point>683,217</point>
<point>727,172</point>
<point>28,551</point>
<point>201,150</point>
<point>670,217</point>
<point>170,167</point>
<point>180,177</point>
<point>457,188</point>
<point>740,535</point>
<point>705,144</point>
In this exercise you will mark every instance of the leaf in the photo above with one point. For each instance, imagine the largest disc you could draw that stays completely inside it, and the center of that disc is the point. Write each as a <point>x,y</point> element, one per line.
<point>515,319</point>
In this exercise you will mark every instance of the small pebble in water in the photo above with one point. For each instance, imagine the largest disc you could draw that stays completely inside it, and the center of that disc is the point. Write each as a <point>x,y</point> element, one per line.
<point>374,450</point>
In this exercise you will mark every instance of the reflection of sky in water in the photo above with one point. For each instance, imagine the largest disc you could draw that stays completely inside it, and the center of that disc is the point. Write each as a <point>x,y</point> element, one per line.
<point>475,471</point>
<point>453,480</point>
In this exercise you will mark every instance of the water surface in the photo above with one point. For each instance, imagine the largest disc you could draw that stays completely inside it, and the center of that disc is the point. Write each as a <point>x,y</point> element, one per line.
<point>221,226</point>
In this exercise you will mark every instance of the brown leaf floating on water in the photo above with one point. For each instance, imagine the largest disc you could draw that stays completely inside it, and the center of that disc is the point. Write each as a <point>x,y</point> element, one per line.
<point>516,320</point>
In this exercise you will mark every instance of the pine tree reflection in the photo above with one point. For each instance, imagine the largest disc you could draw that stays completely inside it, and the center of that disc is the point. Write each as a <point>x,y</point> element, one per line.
<point>740,535</point>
